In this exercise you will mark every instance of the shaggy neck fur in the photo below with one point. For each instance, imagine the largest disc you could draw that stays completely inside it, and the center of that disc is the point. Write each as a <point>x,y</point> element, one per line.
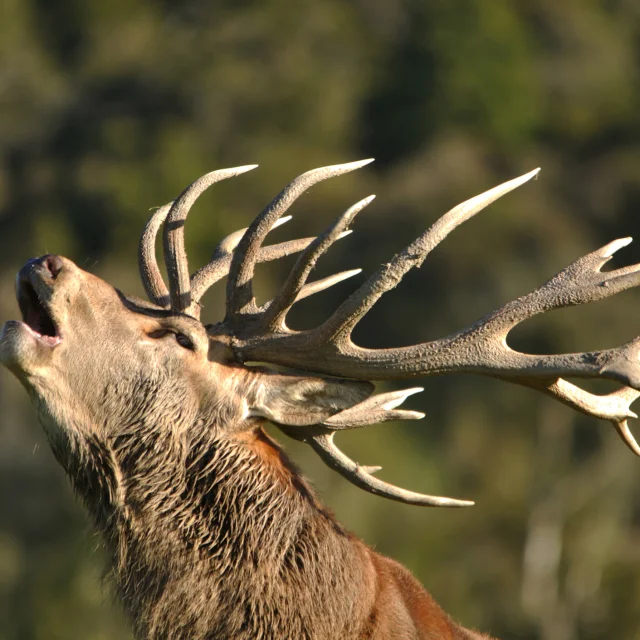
<point>211,538</point>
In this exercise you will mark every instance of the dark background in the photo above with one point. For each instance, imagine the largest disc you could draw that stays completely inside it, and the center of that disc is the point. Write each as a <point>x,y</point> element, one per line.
<point>110,108</point>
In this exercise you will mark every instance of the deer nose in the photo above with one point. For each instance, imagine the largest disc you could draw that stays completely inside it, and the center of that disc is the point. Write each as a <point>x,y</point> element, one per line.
<point>53,264</point>
<point>48,266</point>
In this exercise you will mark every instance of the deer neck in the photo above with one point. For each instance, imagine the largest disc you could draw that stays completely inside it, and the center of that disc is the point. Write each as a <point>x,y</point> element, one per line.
<point>217,535</point>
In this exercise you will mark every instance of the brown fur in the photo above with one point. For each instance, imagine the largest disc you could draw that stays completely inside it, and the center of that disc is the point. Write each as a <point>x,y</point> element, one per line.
<point>211,532</point>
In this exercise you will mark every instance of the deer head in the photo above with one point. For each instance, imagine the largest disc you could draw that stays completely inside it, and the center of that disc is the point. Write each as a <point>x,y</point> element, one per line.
<point>99,364</point>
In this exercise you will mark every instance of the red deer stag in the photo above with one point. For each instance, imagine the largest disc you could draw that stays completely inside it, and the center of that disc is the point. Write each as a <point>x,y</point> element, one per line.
<point>157,419</point>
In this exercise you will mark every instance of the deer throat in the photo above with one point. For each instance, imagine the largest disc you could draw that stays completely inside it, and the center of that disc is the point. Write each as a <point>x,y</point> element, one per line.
<point>219,539</point>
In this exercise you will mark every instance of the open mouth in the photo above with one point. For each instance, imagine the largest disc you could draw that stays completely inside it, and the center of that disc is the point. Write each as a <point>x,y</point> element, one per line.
<point>35,314</point>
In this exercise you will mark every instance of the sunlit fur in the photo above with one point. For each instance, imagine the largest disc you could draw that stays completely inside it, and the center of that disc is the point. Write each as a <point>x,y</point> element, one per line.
<point>211,533</point>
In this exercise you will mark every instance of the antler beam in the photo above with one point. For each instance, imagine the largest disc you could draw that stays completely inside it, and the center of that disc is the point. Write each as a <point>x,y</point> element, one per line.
<point>482,348</point>
<point>261,334</point>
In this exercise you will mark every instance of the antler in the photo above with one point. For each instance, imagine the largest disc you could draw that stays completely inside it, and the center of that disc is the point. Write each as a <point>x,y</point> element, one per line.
<point>261,334</point>
<point>240,301</point>
<point>482,348</point>
<point>184,293</point>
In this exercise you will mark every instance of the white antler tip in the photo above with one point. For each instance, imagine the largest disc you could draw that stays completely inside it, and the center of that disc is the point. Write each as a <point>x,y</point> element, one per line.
<point>514,183</point>
<point>400,397</point>
<point>344,234</point>
<point>625,433</point>
<point>222,174</point>
<point>371,469</point>
<point>350,166</point>
<point>528,176</point>
<point>612,247</point>
<point>280,221</point>
<point>356,208</point>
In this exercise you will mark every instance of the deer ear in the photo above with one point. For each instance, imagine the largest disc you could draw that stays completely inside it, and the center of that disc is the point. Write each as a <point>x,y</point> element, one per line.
<point>299,401</point>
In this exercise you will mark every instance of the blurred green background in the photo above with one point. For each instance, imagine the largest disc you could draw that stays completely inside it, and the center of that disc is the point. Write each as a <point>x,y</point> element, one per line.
<point>110,108</point>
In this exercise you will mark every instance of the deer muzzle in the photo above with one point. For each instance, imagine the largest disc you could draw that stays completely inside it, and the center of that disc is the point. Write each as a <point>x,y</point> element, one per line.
<point>27,343</point>
<point>34,288</point>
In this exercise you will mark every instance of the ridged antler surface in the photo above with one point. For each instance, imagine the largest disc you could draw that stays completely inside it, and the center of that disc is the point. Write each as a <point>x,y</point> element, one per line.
<point>261,334</point>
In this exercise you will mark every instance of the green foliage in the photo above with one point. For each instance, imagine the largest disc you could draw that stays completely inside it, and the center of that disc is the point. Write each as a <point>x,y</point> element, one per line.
<point>110,108</point>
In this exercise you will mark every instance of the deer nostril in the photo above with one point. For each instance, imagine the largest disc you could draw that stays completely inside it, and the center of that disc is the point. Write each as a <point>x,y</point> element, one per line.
<point>53,264</point>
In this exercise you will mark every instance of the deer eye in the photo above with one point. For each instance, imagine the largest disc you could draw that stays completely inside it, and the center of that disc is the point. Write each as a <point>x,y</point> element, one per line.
<point>183,341</point>
<point>180,338</point>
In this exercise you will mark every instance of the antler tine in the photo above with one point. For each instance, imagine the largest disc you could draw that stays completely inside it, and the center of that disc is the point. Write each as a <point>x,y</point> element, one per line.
<point>220,262</point>
<point>317,286</point>
<point>239,287</point>
<point>227,245</point>
<point>219,267</point>
<point>375,409</point>
<point>614,407</point>
<point>346,317</point>
<point>149,272</point>
<point>622,427</point>
<point>284,300</point>
<point>174,253</point>
<point>362,477</point>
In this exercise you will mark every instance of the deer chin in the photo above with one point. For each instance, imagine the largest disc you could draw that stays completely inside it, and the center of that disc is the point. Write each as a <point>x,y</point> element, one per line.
<point>22,351</point>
